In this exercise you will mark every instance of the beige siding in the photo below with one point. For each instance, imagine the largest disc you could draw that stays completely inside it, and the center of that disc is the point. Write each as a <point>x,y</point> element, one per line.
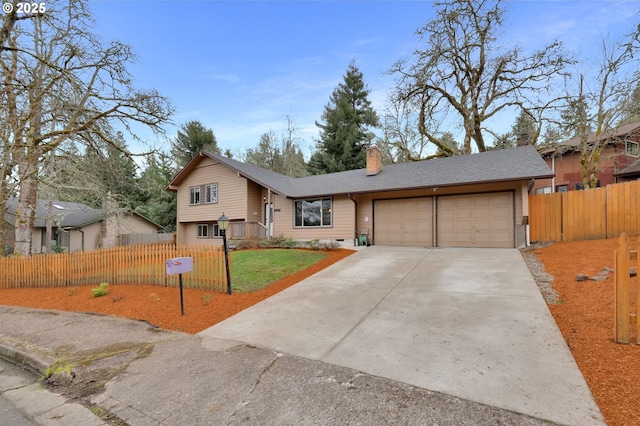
<point>189,236</point>
<point>91,237</point>
<point>255,205</point>
<point>132,224</point>
<point>232,193</point>
<point>343,220</point>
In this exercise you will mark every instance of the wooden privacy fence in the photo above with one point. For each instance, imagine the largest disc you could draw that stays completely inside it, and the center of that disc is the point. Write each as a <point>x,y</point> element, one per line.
<point>623,316</point>
<point>584,215</point>
<point>120,265</point>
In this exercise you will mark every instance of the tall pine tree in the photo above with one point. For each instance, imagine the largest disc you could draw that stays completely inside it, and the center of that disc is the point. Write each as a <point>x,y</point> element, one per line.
<point>191,138</point>
<point>345,130</point>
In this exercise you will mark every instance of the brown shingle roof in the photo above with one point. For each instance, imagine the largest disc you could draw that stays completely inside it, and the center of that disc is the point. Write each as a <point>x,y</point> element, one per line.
<point>574,143</point>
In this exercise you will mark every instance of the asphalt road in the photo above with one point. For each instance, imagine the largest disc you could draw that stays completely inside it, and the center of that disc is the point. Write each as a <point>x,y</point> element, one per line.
<point>9,415</point>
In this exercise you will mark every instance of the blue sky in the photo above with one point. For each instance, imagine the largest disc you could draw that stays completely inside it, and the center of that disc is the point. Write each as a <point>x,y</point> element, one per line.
<point>242,67</point>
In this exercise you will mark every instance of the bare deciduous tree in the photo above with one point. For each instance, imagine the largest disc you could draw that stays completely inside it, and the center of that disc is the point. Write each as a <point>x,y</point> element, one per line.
<point>599,100</point>
<point>465,72</point>
<point>60,82</point>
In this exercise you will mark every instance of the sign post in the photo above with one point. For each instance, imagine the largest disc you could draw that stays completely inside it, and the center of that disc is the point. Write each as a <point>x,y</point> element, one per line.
<point>179,265</point>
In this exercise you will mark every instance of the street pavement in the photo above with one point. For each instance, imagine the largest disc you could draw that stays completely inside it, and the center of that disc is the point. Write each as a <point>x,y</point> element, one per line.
<point>387,336</point>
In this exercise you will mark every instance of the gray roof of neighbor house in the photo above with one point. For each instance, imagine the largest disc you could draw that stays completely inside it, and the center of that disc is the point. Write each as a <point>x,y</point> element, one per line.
<point>63,213</point>
<point>513,164</point>
<point>631,129</point>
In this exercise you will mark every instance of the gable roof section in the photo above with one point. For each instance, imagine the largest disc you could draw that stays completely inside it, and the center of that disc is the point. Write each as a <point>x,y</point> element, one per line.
<point>631,169</point>
<point>629,130</point>
<point>522,163</point>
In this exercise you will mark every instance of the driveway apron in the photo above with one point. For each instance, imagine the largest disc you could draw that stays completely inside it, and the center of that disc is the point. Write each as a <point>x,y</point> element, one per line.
<point>466,322</point>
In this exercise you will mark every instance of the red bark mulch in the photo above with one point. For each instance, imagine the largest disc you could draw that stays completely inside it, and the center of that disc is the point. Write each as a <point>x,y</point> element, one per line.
<point>585,317</point>
<point>158,305</point>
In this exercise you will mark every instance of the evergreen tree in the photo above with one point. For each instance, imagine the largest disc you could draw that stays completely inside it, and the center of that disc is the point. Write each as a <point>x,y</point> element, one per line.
<point>158,204</point>
<point>191,138</point>
<point>345,130</point>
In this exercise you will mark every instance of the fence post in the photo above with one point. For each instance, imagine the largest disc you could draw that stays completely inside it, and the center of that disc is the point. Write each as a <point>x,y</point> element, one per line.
<point>621,295</point>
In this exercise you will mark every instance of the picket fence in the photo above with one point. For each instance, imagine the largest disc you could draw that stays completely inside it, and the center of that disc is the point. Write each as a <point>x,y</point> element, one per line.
<point>141,264</point>
<point>585,215</point>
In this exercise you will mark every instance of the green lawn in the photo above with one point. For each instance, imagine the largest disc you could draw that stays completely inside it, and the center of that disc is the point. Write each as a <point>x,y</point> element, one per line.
<point>254,269</point>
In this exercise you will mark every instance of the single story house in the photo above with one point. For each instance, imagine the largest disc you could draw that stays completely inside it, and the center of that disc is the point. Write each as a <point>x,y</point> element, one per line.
<point>77,227</point>
<point>617,156</point>
<point>476,200</point>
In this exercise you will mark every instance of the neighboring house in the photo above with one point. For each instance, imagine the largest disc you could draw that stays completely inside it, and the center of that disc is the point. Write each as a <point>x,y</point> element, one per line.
<point>618,155</point>
<point>477,200</point>
<point>631,172</point>
<point>77,227</point>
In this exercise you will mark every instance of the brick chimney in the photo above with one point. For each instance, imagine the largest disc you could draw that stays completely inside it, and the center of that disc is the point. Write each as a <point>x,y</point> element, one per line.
<point>374,160</point>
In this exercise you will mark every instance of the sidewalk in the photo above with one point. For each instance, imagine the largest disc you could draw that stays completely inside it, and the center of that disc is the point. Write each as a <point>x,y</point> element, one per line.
<point>132,372</point>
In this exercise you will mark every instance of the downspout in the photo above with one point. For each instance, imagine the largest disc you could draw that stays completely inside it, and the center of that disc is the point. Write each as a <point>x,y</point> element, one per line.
<point>355,219</point>
<point>553,169</point>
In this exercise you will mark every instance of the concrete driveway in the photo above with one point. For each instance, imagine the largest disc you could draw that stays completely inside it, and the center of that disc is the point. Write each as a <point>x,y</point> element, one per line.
<point>466,322</point>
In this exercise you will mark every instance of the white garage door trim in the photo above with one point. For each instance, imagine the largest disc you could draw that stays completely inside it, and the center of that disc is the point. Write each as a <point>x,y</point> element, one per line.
<point>476,220</point>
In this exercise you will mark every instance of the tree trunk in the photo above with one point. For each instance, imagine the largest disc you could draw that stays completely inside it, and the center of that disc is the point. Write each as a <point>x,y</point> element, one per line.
<point>25,213</point>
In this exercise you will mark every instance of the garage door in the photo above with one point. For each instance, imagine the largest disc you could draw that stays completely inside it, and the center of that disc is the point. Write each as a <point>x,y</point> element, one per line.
<point>480,220</point>
<point>406,222</point>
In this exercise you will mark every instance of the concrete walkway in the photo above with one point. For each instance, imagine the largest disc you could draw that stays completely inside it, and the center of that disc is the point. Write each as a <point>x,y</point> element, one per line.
<point>470,323</point>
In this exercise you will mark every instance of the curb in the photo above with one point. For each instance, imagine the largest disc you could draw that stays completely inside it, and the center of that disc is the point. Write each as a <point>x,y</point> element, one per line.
<point>16,356</point>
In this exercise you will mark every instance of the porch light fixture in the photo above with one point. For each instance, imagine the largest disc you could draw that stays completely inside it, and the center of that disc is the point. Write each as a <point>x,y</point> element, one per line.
<point>223,224</point>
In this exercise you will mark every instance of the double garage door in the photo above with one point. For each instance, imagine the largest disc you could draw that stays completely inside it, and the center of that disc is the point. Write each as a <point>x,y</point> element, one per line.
<point>478,220</point>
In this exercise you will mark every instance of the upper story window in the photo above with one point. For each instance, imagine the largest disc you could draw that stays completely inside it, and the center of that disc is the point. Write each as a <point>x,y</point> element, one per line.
<point>194,195</point>
<point>211,193</point>
<point>203,194</point>
<point>313,212</point>
<point>631,148</point>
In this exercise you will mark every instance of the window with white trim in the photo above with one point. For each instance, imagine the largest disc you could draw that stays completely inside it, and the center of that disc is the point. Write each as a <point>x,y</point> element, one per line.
<point>631,148</point>
<point>194,195</point>
<point>313,212</point>
<point>545,190</point>
<point>211,193</point>
<point>203,230</point>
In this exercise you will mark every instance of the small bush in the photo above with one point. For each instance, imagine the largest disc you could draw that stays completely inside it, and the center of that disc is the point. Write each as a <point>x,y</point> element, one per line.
<point>246,244</point>
<point>57,248</point>
<point>206,299</point>
<point>313,244</point>
<point>280,242</point>
<point>101,290</point>
<point>331,245</point>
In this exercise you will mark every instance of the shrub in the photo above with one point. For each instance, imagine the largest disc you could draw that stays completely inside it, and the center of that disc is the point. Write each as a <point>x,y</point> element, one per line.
<point>280,242</point>
<point>101,290</point>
